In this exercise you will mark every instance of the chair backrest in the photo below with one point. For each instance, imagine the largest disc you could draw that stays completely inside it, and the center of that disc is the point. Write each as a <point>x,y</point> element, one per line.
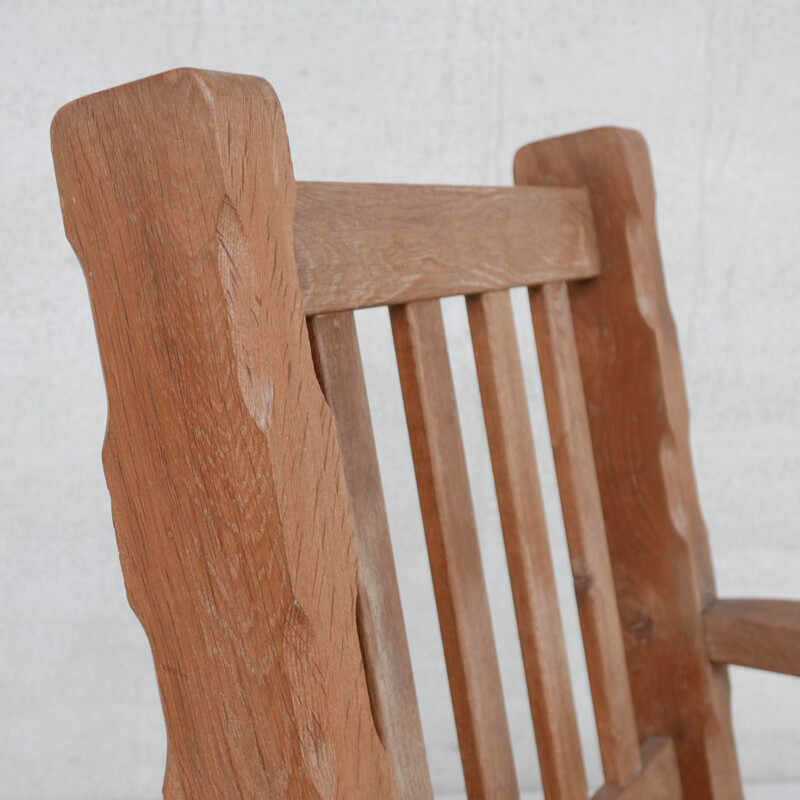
<point>250,519</point>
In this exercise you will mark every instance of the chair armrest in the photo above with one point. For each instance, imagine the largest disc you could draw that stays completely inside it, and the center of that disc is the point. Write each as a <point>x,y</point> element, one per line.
<point>763,634</point>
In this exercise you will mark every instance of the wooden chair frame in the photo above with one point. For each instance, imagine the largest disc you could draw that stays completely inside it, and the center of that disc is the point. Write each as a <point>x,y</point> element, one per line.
<point>248,504</point>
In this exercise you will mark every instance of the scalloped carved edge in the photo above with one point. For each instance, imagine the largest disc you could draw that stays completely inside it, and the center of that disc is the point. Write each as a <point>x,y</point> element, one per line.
<point>229,503</point>
<point>639,420</point>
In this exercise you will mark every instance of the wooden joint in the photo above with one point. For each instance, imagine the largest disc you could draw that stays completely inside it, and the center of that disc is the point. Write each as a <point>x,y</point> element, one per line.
<point>658,779</point>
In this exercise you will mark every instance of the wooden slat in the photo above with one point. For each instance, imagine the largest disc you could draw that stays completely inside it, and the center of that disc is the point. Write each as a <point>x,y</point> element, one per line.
<point>763,634</point>
<point>659,778</point>
<point>362,245</point>
<point>533,584</point>
<point>454,551</point>
<point>381,629</point>
<point>585,529</point>
<point>221,456</point>
<point>639,421</point>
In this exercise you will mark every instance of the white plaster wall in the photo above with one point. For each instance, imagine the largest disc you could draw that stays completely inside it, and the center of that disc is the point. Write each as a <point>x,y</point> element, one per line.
<point>401,91</point>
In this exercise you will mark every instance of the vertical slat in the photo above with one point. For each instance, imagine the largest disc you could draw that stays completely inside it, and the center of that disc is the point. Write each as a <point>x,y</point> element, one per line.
<point>453,548</point>
<point>586,536</point>
<point>533,584</point>
<point>639,421</point>
<point>381,629</point>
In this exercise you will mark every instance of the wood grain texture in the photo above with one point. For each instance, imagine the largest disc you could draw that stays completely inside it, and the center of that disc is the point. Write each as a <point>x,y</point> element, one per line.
<point>362,245</point>
<point>382,632</point>
<point>533,583</point>
<point>454,551</point>
<point>221,457</point>
<point>659,778</point>
<point>638,416</point>
<point>763,634</point>
<point>585,529</point>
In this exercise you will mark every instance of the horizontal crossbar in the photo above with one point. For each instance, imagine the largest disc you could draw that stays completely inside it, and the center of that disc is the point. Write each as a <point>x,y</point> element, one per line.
<point>763,634</point>
<point>362,245</point>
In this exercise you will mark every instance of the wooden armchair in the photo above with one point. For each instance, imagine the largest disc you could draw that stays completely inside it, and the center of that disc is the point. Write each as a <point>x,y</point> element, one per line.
<point>246,495</point>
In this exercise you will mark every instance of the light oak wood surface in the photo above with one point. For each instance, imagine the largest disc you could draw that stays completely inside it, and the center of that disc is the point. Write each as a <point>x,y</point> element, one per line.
<point>381,628</point>
<point>658,779</point>
<point>452,537</point>
<point>585,529</point>
<point>361,245</point>
<point>533,583</point>
<point>639,422</point>
<point>246,494</point>
<point>178,198</point>
<point>763,634</point>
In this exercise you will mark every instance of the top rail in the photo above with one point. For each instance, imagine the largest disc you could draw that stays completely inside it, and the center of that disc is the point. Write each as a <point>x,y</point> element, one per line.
<point>360,245</point>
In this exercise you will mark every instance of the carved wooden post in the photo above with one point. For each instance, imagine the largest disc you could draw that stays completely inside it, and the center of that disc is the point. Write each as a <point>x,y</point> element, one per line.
<point>228,496</point>
<point>639,422</point>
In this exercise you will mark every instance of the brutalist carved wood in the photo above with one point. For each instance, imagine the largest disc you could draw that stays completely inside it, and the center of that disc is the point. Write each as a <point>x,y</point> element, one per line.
<point>244,480</point>
<point>228,492</point>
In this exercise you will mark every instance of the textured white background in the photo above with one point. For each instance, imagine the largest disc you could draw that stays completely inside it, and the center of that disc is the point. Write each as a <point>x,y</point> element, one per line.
<point>401,91</point>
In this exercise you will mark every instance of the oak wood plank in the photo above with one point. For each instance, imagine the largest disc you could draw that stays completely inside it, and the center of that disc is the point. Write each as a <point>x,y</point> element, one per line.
<point>223,466</point>
<point>454,551</point>
<point>763,634</point>
<point>639,421</point>
<point>533,584</point>
<point>659,778</point>
<point>382,631</point>
<point>362,245</point>
<point>585,529</point>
